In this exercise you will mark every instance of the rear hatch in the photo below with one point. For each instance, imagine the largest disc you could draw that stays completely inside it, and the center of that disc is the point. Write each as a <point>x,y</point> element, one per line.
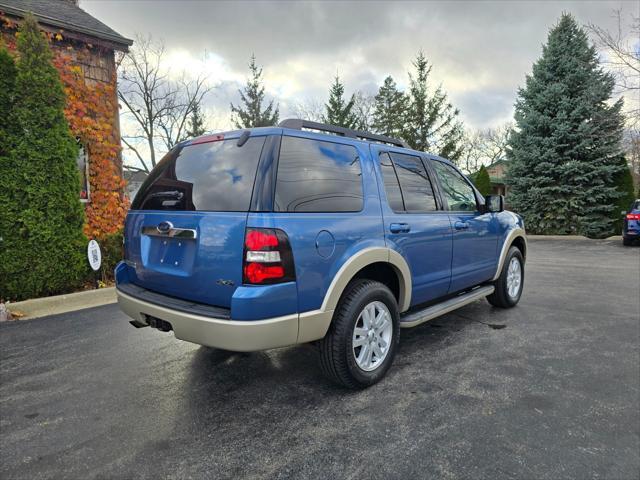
<point>184,235</point>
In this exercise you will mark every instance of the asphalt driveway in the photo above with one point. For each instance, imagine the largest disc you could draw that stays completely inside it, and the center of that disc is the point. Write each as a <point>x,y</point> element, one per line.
<point>554,394</point>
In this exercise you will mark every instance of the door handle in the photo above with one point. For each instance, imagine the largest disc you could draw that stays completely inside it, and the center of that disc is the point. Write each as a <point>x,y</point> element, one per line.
<point>461,225</point>
<point>399,228</point>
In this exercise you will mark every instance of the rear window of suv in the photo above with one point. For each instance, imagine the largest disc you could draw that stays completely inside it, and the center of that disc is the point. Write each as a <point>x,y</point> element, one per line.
<point>214,176</point>
<point>317,176</point>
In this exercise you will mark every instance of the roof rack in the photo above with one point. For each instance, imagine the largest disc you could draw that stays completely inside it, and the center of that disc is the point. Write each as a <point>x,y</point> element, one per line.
<point>298,124</point>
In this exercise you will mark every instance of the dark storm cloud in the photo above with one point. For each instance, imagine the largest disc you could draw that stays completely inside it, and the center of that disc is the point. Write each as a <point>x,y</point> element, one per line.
<point>480,51</point>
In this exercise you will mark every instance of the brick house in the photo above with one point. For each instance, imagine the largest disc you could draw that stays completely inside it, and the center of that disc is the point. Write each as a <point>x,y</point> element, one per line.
<point>497,172</point>
<point>86,52</point>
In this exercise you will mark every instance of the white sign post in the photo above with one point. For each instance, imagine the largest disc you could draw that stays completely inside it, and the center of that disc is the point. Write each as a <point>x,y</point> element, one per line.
<point>95,258</point>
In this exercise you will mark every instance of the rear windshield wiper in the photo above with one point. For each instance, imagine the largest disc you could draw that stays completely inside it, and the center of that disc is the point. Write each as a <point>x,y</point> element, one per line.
<point>170,194</point>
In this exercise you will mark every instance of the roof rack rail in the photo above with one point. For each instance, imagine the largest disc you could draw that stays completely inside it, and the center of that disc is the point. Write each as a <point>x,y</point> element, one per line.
<point>298,124</point>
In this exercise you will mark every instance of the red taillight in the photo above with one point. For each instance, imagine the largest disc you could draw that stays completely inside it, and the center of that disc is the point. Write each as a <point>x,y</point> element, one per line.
<point>260,239</point>
<point>267,257</point>
<point>633,216</point>
<point>258,272</point>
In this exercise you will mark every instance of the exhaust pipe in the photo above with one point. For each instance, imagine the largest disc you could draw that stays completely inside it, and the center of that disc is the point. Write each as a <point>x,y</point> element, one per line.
<point>159,324</point>
<point>138,323</point>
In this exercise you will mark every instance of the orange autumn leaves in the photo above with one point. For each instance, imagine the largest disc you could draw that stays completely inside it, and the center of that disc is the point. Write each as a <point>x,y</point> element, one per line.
<point>91,108</point>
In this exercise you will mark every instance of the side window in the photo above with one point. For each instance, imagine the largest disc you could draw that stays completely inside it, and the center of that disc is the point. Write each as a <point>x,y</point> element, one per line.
<point>458,193</point>
<point>391,185</point>
<point>415,185</point>
<point>316,176</point>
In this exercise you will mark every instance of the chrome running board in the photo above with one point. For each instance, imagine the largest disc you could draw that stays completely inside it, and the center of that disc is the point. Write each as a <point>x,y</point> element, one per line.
<point>414,319</point>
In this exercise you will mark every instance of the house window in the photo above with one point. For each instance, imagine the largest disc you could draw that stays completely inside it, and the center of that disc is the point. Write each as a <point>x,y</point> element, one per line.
<point>83,167</point>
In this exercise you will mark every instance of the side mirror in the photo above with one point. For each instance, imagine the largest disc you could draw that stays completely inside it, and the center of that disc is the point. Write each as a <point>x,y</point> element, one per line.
<point>494,203</point>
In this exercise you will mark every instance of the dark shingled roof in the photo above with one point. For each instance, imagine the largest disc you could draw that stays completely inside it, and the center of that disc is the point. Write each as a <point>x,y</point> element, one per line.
<point>64,14</point>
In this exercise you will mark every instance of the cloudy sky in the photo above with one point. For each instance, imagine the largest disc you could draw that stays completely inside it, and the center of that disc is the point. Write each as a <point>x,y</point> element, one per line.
<point>480,50</point>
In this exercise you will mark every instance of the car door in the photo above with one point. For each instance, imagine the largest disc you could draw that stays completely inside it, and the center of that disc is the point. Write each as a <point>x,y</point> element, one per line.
<point>415,224</point>
<point>475,233</point>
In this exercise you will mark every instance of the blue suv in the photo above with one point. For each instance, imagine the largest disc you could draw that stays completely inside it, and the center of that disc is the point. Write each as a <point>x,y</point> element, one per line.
<point>306,232</point>
<point>631,224</point>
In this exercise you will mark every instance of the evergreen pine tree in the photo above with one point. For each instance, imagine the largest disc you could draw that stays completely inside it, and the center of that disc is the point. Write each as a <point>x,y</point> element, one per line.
<point>196,123</point>
<point>42,249</point>
<point>566,149</point>
<point>431,122</point>
<point>252,114</point>
<point>338,111</point>
<point>390,109</point>
<point>482,181</point>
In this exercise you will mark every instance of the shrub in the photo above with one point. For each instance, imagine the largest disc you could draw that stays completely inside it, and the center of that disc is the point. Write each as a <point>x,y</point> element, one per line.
<point>43,248</point>
<point>111,248</point>
<point>7,90</point>
<point>482,181</point>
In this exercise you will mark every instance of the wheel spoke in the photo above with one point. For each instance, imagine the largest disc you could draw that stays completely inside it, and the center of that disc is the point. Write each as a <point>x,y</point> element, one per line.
<point>382,326</point>
<point>377,350</point>
<point>382,315</point>
<point>366,318</point>
<point>364,351</point>
<point>360,341</point>
<point>360,332</point>
<point>368,357</point>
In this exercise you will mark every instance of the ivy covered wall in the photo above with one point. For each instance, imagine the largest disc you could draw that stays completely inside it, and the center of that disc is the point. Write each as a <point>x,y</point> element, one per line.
<point>88,72</point>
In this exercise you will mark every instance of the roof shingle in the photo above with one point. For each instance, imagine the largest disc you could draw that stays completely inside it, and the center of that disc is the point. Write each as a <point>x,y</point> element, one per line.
<point>64,14</point>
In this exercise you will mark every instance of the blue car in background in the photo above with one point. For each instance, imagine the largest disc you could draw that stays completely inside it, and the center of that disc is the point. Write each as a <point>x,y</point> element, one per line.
<point>631,224</point>
<point>306,232</point>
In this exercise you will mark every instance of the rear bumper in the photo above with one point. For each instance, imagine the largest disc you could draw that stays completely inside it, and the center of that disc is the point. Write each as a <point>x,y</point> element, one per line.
<point>236,335</point>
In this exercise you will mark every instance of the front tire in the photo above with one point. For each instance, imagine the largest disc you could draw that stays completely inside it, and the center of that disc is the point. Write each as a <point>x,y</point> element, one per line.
<point>362,340</point>
<point>508,287</point>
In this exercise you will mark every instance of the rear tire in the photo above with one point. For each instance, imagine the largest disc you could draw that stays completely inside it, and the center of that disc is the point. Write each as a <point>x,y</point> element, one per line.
<point>627,242</point>
<point>508,287</point>
<point>362,340</point>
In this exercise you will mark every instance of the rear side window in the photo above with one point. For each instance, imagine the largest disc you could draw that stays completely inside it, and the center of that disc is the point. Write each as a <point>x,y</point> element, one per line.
<point>316,176</point>
<point>214,176</point>
<point>415,186</point>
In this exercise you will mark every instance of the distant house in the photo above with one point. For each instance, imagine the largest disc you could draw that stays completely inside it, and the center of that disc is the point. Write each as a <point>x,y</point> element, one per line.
<point>497,173</point>
<point>84,44</point>
<point>134,181</point>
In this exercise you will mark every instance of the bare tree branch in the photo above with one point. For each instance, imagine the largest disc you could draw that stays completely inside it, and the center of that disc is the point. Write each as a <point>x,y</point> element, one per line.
<point>131,168</point>
<point>136,152</point>
<point>309,109</point>
<point>622,58</point>
<point>484,147</point>
<point>157,104</point>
